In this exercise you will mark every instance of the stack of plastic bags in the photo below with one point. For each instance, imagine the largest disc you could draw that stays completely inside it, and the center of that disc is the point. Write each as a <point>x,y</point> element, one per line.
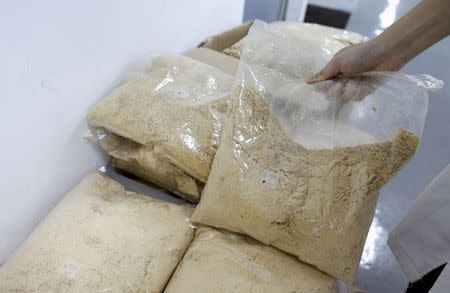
<point>287,174</point>
<point>164,124</point>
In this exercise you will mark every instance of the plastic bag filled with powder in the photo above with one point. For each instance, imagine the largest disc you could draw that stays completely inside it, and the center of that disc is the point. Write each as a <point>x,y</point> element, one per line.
<point>329,39</point>
<point>300,166</point>
<point>222,261</point>
<point>163,125</point>
<point>101,238</point>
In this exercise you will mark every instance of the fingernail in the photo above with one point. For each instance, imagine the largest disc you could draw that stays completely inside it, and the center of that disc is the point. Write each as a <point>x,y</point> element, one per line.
<point>313,80</point>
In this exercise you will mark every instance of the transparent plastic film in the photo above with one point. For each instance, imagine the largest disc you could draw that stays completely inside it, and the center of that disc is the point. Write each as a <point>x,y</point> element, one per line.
<point>222,261</point>
<point>295,52</point>
<point>174,110</point>
<point>326,39</point>
<point>300,166</point>
<point>186,80</point>
<point>329,40</point>
<point>101,238</point>
<point>352,110</point>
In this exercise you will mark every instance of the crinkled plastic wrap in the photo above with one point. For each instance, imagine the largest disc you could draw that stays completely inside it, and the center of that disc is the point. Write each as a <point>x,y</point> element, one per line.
<point>300,166</point>
<point>101,238</point>
<point>330,40</point>
<point>163,125</point>
<point>221,261</point>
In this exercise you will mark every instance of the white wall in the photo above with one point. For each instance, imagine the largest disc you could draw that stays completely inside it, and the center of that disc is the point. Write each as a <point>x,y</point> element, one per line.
<point>56,60</point>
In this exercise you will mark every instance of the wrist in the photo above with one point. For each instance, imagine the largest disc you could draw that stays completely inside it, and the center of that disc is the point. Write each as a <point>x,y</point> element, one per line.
<point>387,54</point>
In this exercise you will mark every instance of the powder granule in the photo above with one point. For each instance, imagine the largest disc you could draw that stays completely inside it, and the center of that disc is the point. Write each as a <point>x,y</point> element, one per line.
<point>101,238</point>
<point>315,204</point>
<point>222,261</point>
<point>175,109</point>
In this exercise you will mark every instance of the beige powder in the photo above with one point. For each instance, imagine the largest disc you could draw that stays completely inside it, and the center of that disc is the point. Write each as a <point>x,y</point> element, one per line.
<point>316,204</point>
<point>220,261</point>
<point>101,238</point>
<point>175,109</point>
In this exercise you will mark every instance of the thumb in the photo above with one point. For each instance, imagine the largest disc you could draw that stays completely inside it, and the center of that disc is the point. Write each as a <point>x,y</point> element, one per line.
<point>331,70</point>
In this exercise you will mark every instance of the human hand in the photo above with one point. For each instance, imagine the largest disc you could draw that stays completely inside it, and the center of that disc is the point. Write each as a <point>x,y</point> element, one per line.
<point>427,23</point>
<point>362,57</point>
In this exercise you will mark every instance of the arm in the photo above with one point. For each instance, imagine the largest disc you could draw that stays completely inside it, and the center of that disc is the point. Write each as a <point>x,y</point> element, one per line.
<point>419,29</point>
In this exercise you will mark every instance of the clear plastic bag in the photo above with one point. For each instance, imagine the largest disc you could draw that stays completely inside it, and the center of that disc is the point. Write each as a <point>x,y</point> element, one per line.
<point>300,166</point>
<point>329,39</point>
<point>172,113</point>
<point>101,238</point>
<point>222,261</point>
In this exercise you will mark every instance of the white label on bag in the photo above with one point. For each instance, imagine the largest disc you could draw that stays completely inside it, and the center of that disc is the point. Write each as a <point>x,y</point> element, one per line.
<point>69,269</point>
<point>182,93</point>
<point>269,179</point>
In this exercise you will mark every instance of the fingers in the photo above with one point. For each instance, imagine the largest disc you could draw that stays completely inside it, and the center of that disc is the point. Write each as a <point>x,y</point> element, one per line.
<point>331,70</point>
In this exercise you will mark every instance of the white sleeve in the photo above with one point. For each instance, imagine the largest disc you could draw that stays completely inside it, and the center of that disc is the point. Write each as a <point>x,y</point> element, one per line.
<point>421,242</point>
